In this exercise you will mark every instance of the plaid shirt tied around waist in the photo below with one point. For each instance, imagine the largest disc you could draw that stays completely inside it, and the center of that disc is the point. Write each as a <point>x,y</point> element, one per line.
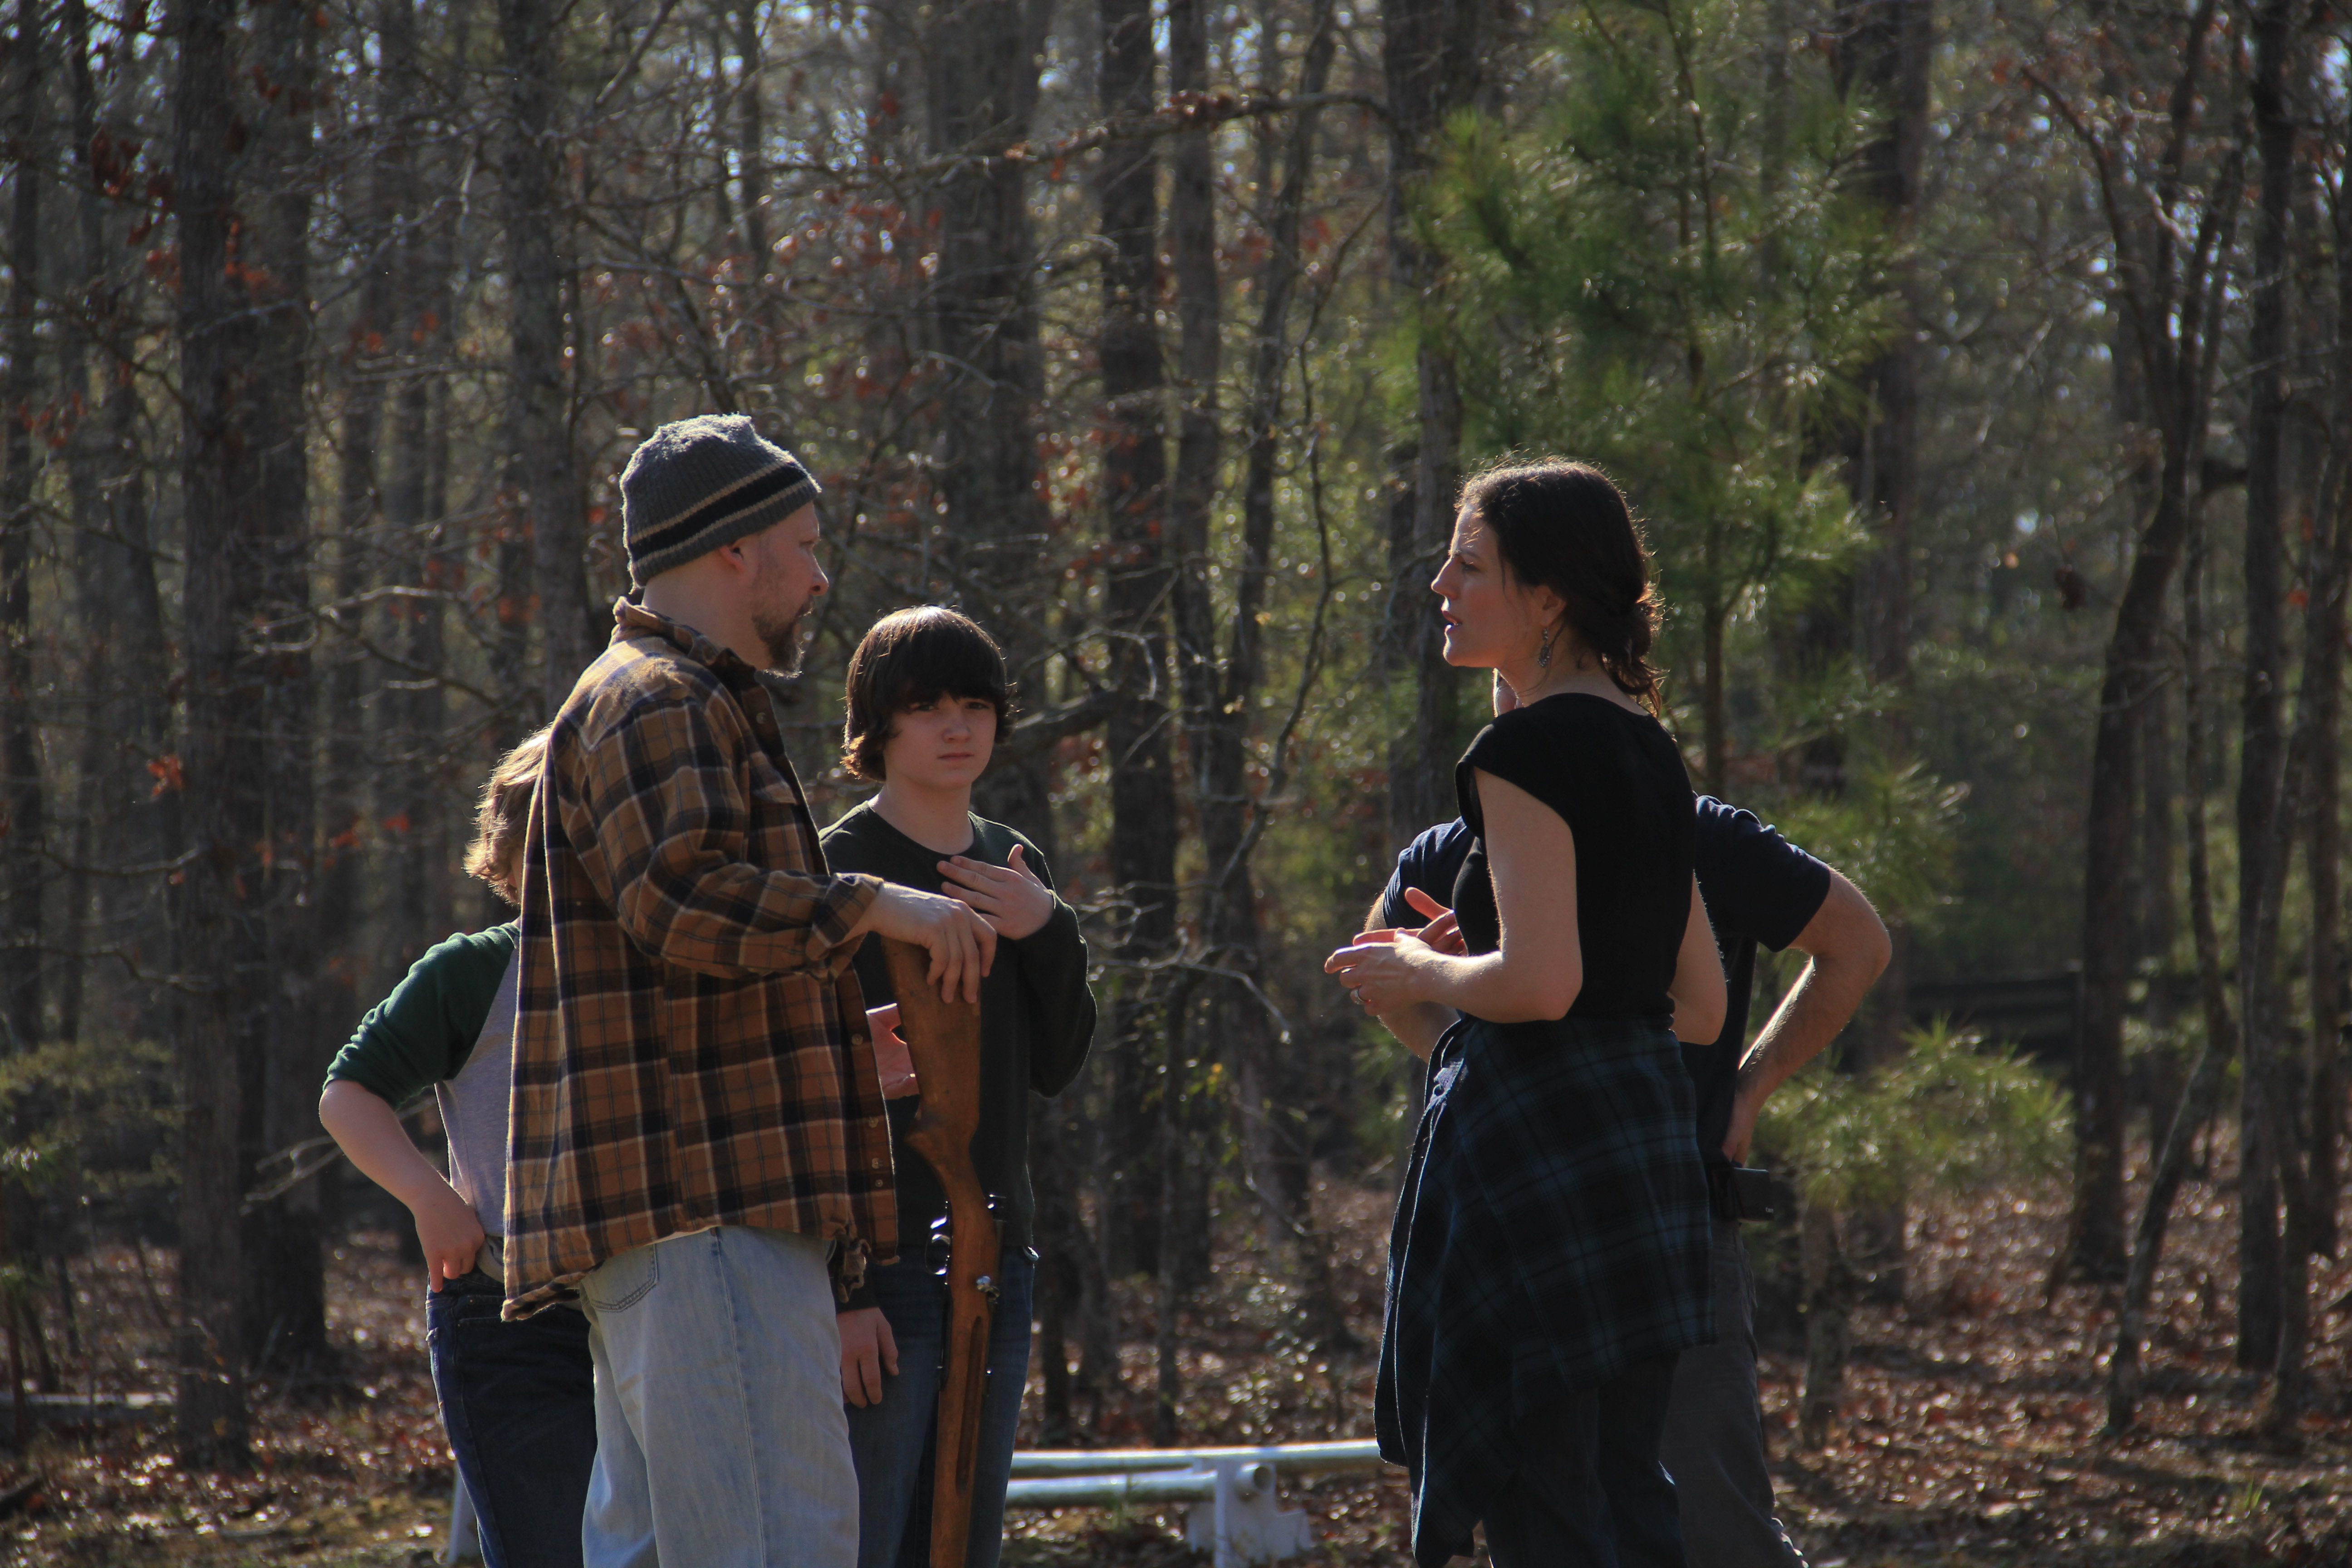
<point>1552,1230</point>
<point>690,1044</point>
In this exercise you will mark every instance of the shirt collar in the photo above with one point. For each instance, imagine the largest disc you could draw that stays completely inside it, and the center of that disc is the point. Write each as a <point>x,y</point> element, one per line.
<point>631,619</point>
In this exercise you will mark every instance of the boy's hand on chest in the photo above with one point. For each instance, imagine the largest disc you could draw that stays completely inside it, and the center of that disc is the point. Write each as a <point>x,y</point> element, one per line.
<point>1009,897</point>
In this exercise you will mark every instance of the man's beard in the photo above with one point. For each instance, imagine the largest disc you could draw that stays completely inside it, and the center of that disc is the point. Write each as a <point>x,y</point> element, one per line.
<point>780,634</point>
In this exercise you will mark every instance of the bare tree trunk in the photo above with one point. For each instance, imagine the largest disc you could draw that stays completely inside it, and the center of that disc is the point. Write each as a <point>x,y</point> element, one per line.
<point>1192,256</point>
<point>751,135</point>
<point>2194,1107</point>
<point>2329,1019</point>
<point>93,556</point>
<point>416,795</point>
<point>1144,823</point>
<point>2264,1138</point>
<point>1429,55</point>
<point>217,480</point>
<point>2309,1096</point>
<point>23,804</point>
<point>286,1311</point>
<point>1275,1085</point>
<point>373,204</point>
<point>543,486</point>
<point>142,821</point>
<point>2165,292</point>
<point>2310,1084</point>
<point>2157,899</point>
<point>1885,47</point>
<point>983,59</point>
<point>1882,51</point>
<point>1057,1152</point>
<point>1176,1157</point>
<point>1829,1295</point>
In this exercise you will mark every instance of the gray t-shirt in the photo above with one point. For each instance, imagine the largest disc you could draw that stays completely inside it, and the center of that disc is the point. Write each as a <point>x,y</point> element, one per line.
<point>473,1110</point>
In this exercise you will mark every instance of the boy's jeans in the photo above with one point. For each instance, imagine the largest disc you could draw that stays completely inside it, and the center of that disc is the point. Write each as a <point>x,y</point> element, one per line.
<point>895,1440</point>
<point>520,1403</point>
<point>720,1442</point>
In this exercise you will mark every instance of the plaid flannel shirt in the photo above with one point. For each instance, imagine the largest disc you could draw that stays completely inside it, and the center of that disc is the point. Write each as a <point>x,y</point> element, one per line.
<point>690,1044</point>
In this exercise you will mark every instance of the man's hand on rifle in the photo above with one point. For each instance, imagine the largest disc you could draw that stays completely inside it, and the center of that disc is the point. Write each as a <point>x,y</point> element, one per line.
<point>962,944</point>
<point>867,1350</point>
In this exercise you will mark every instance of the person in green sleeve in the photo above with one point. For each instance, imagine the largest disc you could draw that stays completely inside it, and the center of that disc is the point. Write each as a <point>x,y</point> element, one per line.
<point>927,696</point>
<point>518,1399</point>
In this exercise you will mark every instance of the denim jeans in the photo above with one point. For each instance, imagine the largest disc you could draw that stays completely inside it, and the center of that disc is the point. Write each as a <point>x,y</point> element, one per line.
<point>1714,1432</point>
<point>1590,1491</point>
<point>520,1403</point>
<point>894,1439</point>
<point>720,1438</point>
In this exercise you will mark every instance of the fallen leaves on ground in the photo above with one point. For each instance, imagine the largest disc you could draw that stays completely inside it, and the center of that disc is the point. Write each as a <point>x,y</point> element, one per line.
<point>1972,1435</point>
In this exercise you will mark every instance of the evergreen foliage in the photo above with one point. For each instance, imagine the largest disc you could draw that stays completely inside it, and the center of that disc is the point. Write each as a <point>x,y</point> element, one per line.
<point>1662,267</point>
<point>1952,1117</point>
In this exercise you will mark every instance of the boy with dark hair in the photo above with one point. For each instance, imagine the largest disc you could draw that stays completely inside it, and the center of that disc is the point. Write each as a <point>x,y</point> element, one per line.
<point>927,698</point>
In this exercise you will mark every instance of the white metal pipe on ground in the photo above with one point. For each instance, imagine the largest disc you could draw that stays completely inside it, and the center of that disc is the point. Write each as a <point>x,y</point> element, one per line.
<point>1322,1458</point>
<point>1158,1486</point>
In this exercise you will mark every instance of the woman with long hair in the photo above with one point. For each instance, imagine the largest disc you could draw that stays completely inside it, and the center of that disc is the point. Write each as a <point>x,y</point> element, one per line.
<point>1548,1258</point>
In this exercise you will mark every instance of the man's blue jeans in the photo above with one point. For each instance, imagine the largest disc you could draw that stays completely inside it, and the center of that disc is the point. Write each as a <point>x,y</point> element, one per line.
<point>893,1441</point>
<point>720,1442</point>
<point>520,1403</point>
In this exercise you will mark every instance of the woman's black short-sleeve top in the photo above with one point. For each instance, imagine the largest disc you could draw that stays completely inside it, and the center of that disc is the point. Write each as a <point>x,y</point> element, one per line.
<point>1617,780</point>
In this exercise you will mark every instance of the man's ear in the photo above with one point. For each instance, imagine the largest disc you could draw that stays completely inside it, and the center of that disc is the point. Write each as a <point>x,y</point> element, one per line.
<point>734,559</point>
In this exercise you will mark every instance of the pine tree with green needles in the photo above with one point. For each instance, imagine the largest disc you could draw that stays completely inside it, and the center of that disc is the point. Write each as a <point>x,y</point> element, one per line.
<point>1662,269</point>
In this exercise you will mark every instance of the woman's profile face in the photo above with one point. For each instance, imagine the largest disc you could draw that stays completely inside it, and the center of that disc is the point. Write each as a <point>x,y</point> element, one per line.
<point>1490,620</point>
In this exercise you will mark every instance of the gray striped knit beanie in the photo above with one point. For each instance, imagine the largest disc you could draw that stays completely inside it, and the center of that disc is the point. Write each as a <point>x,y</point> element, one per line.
<point>700,483</point>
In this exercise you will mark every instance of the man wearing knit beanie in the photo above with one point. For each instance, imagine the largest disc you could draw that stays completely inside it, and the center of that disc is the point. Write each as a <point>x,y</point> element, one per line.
<point>698,1151</point>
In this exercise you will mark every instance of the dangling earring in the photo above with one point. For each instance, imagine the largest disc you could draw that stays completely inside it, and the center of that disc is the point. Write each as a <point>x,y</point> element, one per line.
<point>1543,654</point>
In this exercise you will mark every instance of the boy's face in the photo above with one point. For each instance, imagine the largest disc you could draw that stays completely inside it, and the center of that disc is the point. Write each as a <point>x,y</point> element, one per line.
<point>942,744</point>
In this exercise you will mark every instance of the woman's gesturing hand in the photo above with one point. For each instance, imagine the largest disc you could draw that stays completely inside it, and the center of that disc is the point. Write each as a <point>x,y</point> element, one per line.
<point>1009,897</point>
<point>1382,969</point>
<point>1441,934</point>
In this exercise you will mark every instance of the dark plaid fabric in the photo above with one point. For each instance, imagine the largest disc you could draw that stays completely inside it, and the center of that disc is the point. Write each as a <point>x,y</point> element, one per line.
<point>1551,1232</point>
<point>690,1044</point>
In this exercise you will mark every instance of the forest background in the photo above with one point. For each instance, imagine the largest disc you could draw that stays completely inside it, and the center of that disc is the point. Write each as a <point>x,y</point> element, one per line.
<point>1982,373</point>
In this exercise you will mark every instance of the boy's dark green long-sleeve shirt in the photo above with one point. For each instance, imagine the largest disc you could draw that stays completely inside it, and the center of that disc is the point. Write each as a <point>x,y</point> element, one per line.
<point>425,1031</point>
<point>1036,1021</point>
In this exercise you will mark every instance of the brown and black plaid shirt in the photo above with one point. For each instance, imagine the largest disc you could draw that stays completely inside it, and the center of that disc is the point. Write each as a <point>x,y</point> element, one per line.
<point>690,1046</point>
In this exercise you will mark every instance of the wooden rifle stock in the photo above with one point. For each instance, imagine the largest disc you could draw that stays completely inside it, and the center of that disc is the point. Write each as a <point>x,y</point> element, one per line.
<point>943,1038</point>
